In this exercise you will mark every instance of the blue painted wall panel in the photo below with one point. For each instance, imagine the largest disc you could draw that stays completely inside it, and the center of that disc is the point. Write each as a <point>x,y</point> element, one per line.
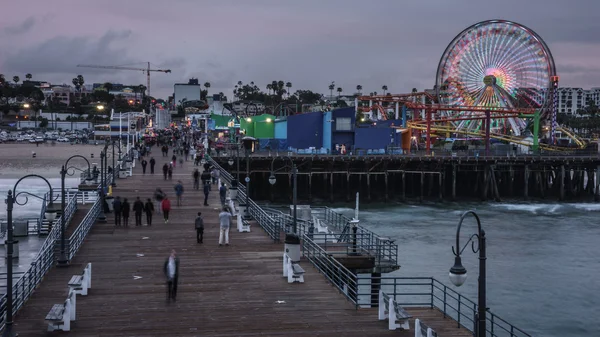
<point>281,129</point>
<point>373,138</point>
<point>327,130</point>
<point>305,130</point>
<point>343,137</point>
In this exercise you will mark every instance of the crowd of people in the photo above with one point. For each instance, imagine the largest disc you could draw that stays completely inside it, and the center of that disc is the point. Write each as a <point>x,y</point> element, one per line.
<point>185,146</point>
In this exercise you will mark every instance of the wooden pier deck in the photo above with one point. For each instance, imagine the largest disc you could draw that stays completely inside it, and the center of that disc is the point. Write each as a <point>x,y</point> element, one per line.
<point>235,290</point>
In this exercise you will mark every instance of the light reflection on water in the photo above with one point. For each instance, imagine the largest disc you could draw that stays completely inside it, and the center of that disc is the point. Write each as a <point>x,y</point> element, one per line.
<point>32,185</point>
<point>542,265</point>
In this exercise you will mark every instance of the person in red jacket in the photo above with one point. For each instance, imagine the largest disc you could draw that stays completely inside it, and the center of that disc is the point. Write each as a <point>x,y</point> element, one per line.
<point>166,208</point>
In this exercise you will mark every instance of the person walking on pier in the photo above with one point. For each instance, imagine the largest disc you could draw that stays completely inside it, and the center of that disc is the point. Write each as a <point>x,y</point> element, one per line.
<point>117,208</point>
<point>199,224</point>
<point>224,223</point>
<point>171,270</point>
<point>152,163</point>
<point>165,170</point>
<point>166,208</point>
<point>144,164</point>
<point>174,159</point>
<point>149,209</point>
<point>223,194</point>
<point>138,208</point>
<point>170,171</point>
<point>159,195</point>
<point>126,209</point>
<point>178,192</point>
<point>196,176</point>
<point>206,188</point>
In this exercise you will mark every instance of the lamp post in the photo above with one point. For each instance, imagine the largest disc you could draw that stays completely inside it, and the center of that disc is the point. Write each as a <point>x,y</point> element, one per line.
<point>458,273</point>
<point>248,142</point>
<point>11,199</point>
<point>102,216</point>
<point>273,180</point>
<point>63,260</point>
<point>113,183</point>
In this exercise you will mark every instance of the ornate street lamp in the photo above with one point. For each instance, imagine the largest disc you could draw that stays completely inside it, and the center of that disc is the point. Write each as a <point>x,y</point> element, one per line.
<point>11,199</point>
<point>63,259</point>
<point>458,273</point>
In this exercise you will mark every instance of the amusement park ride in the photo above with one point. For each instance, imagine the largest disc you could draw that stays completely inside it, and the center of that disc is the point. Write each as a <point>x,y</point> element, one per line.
<point>495,80</point>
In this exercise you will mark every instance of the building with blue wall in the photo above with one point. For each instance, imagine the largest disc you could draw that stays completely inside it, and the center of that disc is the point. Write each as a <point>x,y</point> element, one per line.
<point>327,125</point>
<point>281,129</point>
<point>342,127</point>
<point>305,130</point>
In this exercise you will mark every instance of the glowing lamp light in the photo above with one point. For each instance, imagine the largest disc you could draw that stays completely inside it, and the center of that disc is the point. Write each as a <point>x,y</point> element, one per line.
<point>26,106</point>
<point>272,180</point>
<point>269,120</point>
<point>248,119</point>
<point>458,273</point>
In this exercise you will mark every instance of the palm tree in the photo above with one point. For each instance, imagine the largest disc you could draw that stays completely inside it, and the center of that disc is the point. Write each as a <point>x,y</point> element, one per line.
<point>207,85</point>
<point>359,88</point>
<point>414,90</point>
<point>2,79</point>
<point>81,81</point>
<point>28,76</point>
<point>142,88</point>
<point>16,79</point>
<point>75,83</point>
<point>384,88</point>
<point>269,88</point>
<point>240,83</point>
<point>288,85</point>
<point>339,90</point>
<point>108,86</point>
<point>331,87</point>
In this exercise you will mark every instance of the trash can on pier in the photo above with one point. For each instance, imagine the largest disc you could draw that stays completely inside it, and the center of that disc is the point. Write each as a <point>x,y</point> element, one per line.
<point>292,246</point>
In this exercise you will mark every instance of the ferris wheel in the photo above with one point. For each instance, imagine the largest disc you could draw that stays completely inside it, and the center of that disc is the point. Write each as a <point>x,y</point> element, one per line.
<point>496,63</point>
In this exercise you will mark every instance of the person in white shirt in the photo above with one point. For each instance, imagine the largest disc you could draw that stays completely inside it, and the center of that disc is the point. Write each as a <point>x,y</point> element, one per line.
<point>224,223</point>
<point>171,270</point>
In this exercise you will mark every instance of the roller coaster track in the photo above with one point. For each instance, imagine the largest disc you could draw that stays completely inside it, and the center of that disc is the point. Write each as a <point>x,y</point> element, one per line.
<point>580,142</point>
<point>422,125</point>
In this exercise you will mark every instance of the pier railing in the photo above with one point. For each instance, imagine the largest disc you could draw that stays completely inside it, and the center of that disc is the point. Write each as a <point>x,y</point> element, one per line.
<point>45,259</point>
<point>76,239</point>
<point>407,291</point>
<point>384,249</point>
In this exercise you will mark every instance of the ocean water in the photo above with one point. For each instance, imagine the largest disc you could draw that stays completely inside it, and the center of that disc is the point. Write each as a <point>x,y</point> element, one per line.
<point>543,260</point>
<point>32,185</point>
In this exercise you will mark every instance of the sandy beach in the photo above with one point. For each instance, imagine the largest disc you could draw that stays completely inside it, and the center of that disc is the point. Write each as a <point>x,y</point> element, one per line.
<point>16,158</point>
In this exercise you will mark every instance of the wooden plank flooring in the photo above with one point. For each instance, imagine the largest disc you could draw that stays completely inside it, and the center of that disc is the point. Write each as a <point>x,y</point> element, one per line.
<point>235,290</point>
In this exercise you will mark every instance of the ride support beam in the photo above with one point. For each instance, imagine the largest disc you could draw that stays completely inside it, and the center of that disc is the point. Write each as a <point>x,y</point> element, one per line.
<point>536,131</point>
<point>488,124</point>
<point>428,136</point>
<point>404,116</point>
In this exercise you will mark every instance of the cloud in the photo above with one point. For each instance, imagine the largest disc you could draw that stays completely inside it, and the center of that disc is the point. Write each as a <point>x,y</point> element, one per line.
<point>22,27</point>
<point>60,55</point>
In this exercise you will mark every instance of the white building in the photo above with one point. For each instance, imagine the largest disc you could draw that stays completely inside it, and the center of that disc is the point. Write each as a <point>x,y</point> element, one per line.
<point>570,100</point>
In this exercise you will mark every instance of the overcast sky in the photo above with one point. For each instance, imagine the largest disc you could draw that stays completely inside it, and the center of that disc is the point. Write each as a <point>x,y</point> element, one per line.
<point>307,42</point>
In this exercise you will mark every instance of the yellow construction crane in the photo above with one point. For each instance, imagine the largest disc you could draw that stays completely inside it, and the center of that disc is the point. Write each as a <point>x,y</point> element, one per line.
<point>145,70</point>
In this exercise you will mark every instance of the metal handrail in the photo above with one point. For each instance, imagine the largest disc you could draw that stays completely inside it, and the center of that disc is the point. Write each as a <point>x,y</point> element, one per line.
<point>76,239</point>
<point>44,261</point>
<point>407,291</point>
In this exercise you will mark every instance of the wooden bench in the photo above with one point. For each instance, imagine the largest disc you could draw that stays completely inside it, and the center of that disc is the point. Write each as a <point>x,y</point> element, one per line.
<point>422,330</point>
<point>81,283</point>
<point>389,309</point>
<point>291,270</point>
<point>60,315</point>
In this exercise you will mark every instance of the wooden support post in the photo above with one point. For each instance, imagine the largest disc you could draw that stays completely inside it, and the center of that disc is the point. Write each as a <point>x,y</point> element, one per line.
<point>368,186</point>
<point>597,190</point>
<point>542,179</point>
<point>441,186</point>
<point>486,182</point>
<point>309,187</point>
<point>386,186</point>
<point>331,187</point>
<point>347,186</point>
<point>494,184</point>
<point>562,183</point>
<point>422,186</point>
<point>511,180</point>
<point>403,196</point>
<point>454,182</point>
<point>526,183</point>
